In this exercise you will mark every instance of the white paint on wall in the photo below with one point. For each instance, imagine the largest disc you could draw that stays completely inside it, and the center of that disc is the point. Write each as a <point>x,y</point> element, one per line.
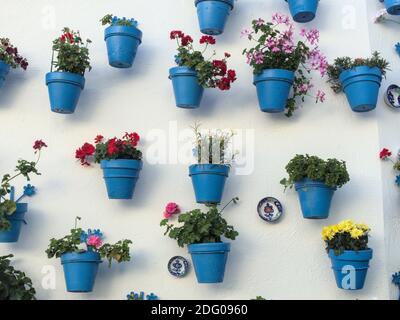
<point>282,261</point>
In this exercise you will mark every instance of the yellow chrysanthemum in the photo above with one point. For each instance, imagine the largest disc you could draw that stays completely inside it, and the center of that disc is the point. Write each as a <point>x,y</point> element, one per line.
<point>363,227</point>
<point>356,233</point>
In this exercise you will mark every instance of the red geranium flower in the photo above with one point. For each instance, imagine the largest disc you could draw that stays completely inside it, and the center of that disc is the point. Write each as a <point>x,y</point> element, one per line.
<point>133,138</point>
<point>224,84</point>
<point>186,40</point>
<point>221,67</point>
<point>385,153</point>
<point>232,75</point>
<point>39,144</point>
<point>99,138</point>
<point>227,55</point>
<point>207,39</point>
<point>85,151</point>
<point>176,34</point>
<point>112,146</point>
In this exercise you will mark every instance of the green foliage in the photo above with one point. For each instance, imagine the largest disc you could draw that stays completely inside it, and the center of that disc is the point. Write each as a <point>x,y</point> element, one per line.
<point>110,19</point>
<point>346,63</point>
<point>200,227</point>
<point>72,53</point>
<point>14,284</point>
<point>69,243</point>
<point>125,151</point>
<point>332,171</point>
<point>118,252</point>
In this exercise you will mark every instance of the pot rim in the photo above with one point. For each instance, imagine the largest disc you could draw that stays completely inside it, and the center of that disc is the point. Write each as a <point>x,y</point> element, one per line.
<point>215,247</point>
<point>311,183</point>
<point>65,77</point>
<point>352,255</point>
<point>231,3</point>
<point>209,168</point>
<point>128,31</point>
<point>359,71</point>
<point>274,74</point>
<point>121,163</point>
<point>77,257</point>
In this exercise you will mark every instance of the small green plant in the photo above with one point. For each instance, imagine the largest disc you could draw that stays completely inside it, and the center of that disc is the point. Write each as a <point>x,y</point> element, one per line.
<point>201,227</point>
<point>110,19</point>
<point>23,168</point>
<point>93,241</point>
<point>332,172</point>
<point>14,284</point>
<point>346,63</point>
<point>72,53</point>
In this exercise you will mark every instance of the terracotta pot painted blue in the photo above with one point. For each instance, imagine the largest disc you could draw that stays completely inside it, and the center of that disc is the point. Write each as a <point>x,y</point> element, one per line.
<point>350,268</point>
<point>208,182</point>
<point>188,92</point>
<point>361,85</point>
<point>122,45</point>
<point>16,220</point>
<point>64,90</point>
<point>209,261</point>
<point>80,270</point>
<point>213,15</point>
<point>393,7</point>
<point>303,10</point>
<point>273,89</point>
<point>315,198</point>
<point>4,70</point>
<point>120,176</point>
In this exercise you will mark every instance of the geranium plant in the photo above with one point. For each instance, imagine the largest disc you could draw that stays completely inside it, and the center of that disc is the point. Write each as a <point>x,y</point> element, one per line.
<point>111,149</point>
<point>212,73</point>
<point>346,235</point>
<point>80,241</point>
<point>275,47</point>
<point>10,55</point>
<point>71,53</point>
<point>346,63</point>
<point>200,227</point>
<point>14,284</point>
<point>386,155</point>
<point>24,168</point>
<point>110,19</point>
<point>332,172</point>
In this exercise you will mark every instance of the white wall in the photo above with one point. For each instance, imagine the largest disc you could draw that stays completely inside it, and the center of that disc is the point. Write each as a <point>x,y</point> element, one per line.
<point>282,261</point>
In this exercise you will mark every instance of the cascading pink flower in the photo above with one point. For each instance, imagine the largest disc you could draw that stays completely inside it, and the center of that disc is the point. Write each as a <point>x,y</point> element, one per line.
<point>171,209</point>
<point>94,241</point>
<point>312,35</point>
<point>320,96</point>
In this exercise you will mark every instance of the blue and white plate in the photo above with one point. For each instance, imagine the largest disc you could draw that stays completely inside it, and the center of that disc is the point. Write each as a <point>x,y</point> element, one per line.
<point>270,209</point>
<point>178,266</point>
<point>392,96</point>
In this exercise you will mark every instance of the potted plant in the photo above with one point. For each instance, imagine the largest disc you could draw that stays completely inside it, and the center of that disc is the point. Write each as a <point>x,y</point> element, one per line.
<point>385,155</point>
<point>360,79</point>
<point>315,181</point>
<point>9,58</point>
<point>12,212</point>
<point>392,6</point>
<point>347,246</point>
<point>81,252</point>
<point>303,10</point>
<point>213,14</point>
<point>123,39</point>
<point>280,64</point>
<point>202,233</point>
<point>194,72</point>
<point>120,160</point>
<point>70,60</point>
<point>14,284</point>
<point>214,157</point>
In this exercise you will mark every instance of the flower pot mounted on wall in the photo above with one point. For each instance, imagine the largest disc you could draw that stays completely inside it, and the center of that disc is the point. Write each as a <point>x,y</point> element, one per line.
<point>64,91</point>
<point>4,70</point>
<point>122,45</point>
<point>213,14</point>
<point>16,220</point>
<point>209,261</point>
<point>392,6</point>
<point>361,86</point>
<point>303,10</point>
<point>187,91</point>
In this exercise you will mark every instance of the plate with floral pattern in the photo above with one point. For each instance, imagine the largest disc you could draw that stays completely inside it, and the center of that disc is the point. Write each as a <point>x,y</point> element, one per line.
<point>270,209</point>
<point>392,96</point>
<point>178,266</point>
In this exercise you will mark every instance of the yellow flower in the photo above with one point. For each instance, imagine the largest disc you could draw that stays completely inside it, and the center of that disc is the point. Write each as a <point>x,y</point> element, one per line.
<point>346,226</point>
<point>356,233</point>
<point>363,227</point>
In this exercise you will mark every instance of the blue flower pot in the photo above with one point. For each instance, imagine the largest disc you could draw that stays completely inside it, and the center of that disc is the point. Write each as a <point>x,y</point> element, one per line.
<point>393,7</point>
<point>121,176</point>
<point>361,85</point>
<point>303,10</point>
<point>213,15</point>
<point>209,261</point>
<point>208,182</point>
<point>80,270</point>
<point>122,45</point>
<point>350,268</point>
<point>16,220</point>
<point>273,89</point>
<point>315,198</point>
<point>4,70</point>
<point>188,92</point>
<point>64,90</point>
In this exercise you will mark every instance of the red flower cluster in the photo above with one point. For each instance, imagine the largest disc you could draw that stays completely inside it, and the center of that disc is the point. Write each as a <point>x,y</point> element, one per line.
<point>227,76</point>
<point>185,39</point>
<point>83,152</point>
<point>207,39</point>
<point>39,144</point>
<point>68,36</point>
<point>9,52</point>
<point>385,153</point>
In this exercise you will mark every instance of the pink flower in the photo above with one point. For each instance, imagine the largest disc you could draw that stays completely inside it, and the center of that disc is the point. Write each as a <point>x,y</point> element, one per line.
<point>280,18</point>
<point>258,57</point>
<point>94,241</point>
<point>260,22</point>
<point>171,209</point>
<point>320,96</point>
<point>312,36</point>
<point>245,33</point>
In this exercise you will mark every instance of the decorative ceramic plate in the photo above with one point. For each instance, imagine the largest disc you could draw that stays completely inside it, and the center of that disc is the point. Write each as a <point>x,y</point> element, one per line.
<point>392,96</point>
<point>178,266</point>
<point>270,209</point>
